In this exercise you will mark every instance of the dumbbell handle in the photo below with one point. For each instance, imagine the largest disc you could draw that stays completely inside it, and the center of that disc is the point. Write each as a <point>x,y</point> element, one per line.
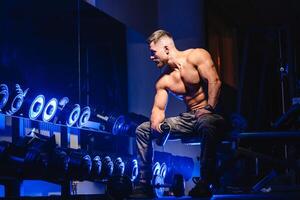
<point>104,118</point>
<point>166,128</point>
<point>162,186</point>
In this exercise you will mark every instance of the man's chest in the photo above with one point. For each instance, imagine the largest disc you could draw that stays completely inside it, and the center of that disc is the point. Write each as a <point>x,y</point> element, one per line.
<point>184,80</point>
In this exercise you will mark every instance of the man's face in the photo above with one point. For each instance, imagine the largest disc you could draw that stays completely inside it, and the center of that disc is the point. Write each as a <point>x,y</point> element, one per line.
<point>158,54</point>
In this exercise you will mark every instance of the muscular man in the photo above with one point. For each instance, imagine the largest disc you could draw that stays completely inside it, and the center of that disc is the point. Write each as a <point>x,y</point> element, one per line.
<point>185,74</point>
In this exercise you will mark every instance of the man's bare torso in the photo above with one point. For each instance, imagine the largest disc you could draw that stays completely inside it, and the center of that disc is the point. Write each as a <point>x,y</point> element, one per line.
<point>185,82</point>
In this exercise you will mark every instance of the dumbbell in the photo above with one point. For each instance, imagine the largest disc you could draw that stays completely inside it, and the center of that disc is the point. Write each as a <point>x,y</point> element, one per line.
<point>58,164</point>
<point>131,169</point>
<point>4,145</point>
<point>177,187</point>
<point>15,102</point>
<point>107,167</point>
<point>80,164</point>
<point>119,187</point>
<point>96,167</point>
<point>166,129</point>
<point>4,95</point>
<point>119,167</point>
<point>159,172</point>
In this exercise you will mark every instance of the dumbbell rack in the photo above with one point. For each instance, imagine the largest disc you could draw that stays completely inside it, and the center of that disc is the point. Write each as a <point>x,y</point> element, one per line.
<point>13,127</point>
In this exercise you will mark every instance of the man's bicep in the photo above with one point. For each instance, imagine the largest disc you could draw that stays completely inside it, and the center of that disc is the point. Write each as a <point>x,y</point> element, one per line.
<point>161,99</point>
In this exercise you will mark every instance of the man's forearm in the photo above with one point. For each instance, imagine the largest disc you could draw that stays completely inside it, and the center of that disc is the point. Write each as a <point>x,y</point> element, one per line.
<point>214,89</point>
<point>157,117</point>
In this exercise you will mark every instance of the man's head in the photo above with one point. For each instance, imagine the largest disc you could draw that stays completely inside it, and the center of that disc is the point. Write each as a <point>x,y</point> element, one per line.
<point>160,43</point>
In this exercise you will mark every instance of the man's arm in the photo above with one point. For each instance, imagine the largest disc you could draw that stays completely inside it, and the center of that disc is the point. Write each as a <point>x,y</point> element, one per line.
<point>159,106</point>
<point>206,68</point>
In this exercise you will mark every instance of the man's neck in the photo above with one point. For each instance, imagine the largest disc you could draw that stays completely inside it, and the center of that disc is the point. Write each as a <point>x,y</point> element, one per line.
<point>173,62</point>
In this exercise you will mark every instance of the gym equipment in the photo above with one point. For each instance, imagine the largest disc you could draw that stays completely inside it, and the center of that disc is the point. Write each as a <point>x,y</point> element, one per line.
<point>131,169</point>
<point>80,164</point>
<point>107,167</point>
<point>28,157</point>
<point>4,95</point>
<point>96,167</point>
<point>121,124</point>
<point>288,119</point>
<point>166,129</point>
<point>58,164</point>
<point>177,187</point>
<point>119,187</point>
<point>67,113</point>
<point>36,107</point>
<point>156,169</point>
<point>15,101</point>
<point>163,170</point>
<point>119,167</point>
<point>84,116</point>
<point>50,110</point>
<point>159,172</point>
<point>176,165</point>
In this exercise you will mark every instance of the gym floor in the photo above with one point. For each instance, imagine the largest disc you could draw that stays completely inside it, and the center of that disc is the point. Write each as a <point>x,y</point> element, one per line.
<point>274,196</point>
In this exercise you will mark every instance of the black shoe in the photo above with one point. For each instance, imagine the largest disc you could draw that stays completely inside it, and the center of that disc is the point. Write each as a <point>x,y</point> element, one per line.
<point>143,191</point>
<point>201,189</point>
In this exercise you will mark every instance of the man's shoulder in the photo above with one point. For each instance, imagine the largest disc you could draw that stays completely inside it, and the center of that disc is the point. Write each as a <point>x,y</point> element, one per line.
<point>162,81</point>
<point>197,52</point>
<point>197,55</point>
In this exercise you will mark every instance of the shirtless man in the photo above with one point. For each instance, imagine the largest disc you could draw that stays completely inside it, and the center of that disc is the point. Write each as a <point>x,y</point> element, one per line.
<point>184,75</point>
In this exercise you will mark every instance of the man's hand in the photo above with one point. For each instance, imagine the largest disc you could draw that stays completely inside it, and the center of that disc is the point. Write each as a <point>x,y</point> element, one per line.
<point>201,111</point>
<point>156,127</point>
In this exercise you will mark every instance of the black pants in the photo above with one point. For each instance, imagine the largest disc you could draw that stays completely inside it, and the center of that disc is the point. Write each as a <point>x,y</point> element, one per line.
<point>209,127</point>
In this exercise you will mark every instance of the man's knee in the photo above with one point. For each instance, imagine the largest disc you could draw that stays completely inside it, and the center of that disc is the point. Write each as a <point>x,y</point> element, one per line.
<point>143,128</point>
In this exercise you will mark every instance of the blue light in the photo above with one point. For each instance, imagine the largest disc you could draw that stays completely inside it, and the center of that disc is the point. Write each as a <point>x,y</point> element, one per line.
<point>50,110</point>
<point>2,189</point>
<point>74,115</point>
<point>63,102</point>
<point>17,101</point>
<point>4,95</point>
<point>36,107</point>
<point>118,125</point>
<point>38,188</point>
<point>2,122</point>
<point>84,117</point>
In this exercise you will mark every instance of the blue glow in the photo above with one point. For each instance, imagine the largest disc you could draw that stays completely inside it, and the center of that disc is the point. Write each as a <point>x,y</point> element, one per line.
<point>4,95</point>
<point>74,115</point>
<point>2,121</point>
<point>16,104</point>
<point>2,192</point>
<point>18,100</point>
<point>63,102</point>
<point>39,188</point>
<point>118,125</point>
<point>50,110</point>
<point>50,127</point>
<point>36,107</point>
<point>85,116</point>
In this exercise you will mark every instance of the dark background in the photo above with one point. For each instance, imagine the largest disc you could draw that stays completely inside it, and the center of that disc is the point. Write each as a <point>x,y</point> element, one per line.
<point>64,48</point>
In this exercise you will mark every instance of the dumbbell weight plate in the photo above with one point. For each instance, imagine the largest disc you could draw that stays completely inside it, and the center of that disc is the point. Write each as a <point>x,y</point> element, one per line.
<point>3,148</point>
<point>157,182</point>
<point>163,170</point>
<point>156,169</point>
<point>119,187</point>
<point>178,185</point>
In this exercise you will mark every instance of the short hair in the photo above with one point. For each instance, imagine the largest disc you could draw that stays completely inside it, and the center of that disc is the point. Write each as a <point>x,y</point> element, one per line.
<point>155,36</point>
